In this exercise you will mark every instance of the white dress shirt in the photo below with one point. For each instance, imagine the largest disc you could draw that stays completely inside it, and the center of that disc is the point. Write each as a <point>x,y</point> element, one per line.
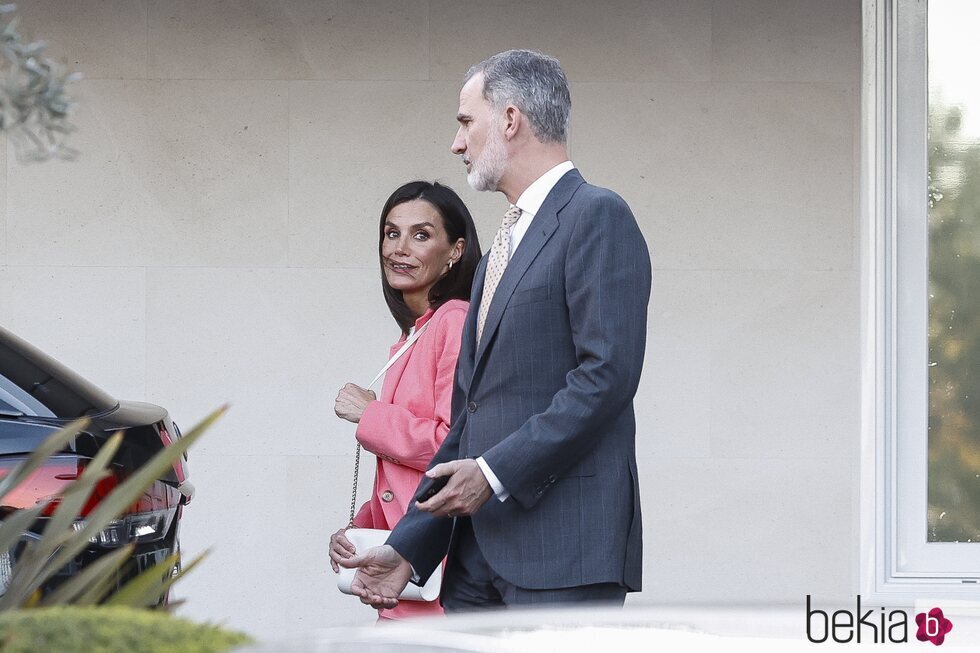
<point>529,203</point>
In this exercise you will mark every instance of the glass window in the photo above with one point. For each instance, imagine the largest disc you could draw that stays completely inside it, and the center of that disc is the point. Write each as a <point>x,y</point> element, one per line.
<point>924,240</point>
<point>954,271</point>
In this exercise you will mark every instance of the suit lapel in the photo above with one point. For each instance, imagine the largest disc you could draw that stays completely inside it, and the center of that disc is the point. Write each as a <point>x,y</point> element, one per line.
<point>543,225</point>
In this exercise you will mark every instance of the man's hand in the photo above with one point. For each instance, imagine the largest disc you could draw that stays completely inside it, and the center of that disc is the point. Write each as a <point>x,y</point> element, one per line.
<point>465,492</point>
<point>381,576</point>
<point>351,402</point>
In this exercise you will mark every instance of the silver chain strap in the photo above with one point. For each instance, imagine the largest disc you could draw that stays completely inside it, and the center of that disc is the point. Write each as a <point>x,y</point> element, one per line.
<point>353,492</point>
<point>357,456</point>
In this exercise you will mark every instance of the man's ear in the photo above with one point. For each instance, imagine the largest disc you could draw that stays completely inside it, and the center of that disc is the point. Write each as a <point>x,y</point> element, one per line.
<point>513,119</point>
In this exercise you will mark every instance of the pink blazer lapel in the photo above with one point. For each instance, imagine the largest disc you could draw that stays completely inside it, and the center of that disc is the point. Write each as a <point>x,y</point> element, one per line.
<point>394,373</point>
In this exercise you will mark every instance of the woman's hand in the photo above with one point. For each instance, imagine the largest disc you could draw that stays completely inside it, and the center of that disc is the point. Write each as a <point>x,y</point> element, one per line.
<point>340,549</point>
<point>351,402</point>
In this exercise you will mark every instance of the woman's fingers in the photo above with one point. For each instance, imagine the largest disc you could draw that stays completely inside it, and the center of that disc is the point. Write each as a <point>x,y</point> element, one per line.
<point>346,544</point>
<point>339,541</point>
<point>339,551</point>
<point>341,546</point>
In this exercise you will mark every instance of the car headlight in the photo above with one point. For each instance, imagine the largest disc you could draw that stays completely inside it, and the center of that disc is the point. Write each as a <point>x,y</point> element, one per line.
<point>136,527</point>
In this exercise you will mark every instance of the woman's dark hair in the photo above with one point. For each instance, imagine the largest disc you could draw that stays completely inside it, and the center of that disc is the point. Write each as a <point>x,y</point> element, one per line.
<point>458,223</point>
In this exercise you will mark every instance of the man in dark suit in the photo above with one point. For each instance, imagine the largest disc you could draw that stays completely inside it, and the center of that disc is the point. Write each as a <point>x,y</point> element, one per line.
<point>542,504</point>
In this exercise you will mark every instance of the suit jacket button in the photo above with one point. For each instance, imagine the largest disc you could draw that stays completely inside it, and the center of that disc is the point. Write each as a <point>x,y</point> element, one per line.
<point>552,479</point>
<point>471,407</point>
<point>387,496</point>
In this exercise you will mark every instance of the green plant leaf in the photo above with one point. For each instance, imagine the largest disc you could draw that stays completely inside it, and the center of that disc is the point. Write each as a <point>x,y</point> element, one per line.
<point>146,589</point>
<point>60,543</point>
<point>51,445</point>
<point>14,526</point>
<point>149,583</point>
<point>90,585</point>
<point>104,586</point>
<point>20,521</point>
<point>72,503</point>
<point>129,491</point>
<point>184,570</point>
<point>26,569</point>
<point>64,518</point>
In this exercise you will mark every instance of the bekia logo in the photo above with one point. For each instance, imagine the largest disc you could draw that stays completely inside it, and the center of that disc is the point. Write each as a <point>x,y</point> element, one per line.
<point>933,626</point>
<point>876,626</point>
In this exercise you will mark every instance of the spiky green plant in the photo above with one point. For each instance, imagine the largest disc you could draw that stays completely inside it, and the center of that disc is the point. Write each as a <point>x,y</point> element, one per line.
<point>63,539</point>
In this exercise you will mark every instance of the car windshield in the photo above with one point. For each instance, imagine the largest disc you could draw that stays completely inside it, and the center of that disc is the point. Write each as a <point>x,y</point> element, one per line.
<point>33,383</point>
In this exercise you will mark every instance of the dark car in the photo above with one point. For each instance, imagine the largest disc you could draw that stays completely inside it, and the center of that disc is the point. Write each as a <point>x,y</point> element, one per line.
<point>38,396</point>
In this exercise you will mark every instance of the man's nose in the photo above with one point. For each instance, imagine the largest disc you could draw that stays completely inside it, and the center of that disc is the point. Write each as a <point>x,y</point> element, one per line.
<point>459,143</point>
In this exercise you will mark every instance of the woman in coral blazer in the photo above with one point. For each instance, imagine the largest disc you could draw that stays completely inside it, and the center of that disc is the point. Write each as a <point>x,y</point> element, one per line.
<point>428,251</point>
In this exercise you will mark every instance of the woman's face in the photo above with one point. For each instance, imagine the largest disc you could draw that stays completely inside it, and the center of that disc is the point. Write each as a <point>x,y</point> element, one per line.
<point>415,250</point>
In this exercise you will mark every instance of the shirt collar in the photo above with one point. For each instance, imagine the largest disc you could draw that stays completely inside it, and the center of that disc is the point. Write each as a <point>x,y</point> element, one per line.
<point>534,195</point>
<point>422,319</point>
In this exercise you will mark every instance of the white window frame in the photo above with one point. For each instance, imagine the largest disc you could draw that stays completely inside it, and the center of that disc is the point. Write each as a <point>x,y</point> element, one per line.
<point>897,566</point>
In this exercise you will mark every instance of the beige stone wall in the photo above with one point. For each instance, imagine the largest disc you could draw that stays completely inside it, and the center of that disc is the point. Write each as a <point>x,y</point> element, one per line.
<point>215,243</point>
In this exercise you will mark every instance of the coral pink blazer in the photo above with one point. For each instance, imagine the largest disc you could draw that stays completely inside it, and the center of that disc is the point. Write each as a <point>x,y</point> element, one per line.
<point>406,425</point>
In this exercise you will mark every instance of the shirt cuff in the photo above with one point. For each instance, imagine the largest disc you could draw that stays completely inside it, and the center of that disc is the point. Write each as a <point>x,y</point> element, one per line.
<point>495,484</point>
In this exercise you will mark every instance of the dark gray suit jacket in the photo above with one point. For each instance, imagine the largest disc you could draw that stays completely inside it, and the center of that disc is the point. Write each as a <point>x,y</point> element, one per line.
<point>547,400</point>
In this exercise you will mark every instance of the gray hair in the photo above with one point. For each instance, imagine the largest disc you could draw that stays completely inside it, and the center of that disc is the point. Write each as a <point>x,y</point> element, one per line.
<point>535,84</point>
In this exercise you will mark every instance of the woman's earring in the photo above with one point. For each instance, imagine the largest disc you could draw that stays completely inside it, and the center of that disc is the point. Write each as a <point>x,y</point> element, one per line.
<point>450,264</point>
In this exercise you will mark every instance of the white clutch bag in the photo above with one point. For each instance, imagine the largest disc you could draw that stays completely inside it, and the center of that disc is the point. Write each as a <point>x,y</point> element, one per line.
<point>366,538</point>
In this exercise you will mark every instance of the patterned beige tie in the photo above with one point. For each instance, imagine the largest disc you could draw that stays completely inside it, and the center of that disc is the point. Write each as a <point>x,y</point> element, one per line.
<point>496,264</point>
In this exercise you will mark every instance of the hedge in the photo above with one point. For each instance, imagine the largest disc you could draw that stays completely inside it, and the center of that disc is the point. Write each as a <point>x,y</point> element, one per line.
<point>103,629</point>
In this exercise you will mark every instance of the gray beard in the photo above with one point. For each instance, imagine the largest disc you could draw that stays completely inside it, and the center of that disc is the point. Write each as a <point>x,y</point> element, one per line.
<point>487,172</point>
<point>480,182</point>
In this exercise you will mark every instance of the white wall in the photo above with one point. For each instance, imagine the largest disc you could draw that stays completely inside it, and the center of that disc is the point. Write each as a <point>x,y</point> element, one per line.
<point>215,243</point>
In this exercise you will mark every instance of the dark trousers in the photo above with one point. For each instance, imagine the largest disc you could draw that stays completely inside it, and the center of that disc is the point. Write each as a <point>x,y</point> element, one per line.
<point>469,583</point>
